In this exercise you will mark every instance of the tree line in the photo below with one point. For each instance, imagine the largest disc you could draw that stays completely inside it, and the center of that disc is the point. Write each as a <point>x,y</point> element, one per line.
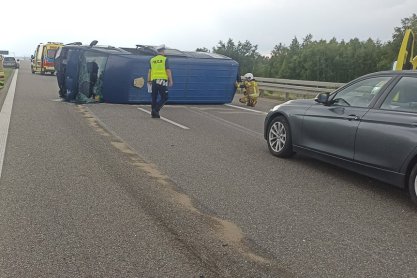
<point>318,60</point>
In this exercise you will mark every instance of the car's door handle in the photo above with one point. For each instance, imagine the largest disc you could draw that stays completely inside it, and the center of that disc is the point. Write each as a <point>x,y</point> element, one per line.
<point>352,118</point>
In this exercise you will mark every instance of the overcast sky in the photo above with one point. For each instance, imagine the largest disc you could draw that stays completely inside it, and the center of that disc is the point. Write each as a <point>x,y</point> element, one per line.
<point>187,25</point>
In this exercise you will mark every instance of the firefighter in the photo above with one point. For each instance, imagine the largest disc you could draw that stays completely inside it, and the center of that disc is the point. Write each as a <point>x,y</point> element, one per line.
<point>251,91</point>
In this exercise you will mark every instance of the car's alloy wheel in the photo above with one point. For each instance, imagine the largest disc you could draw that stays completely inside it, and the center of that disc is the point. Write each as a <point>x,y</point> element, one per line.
<point>279,137</point>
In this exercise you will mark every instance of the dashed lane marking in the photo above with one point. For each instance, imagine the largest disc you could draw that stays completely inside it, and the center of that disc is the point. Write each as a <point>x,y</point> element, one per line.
<point>166,120</point>
<point>246,109</point>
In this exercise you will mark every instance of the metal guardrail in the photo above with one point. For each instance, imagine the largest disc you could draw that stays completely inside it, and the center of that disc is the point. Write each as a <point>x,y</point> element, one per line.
<point>301,87</point>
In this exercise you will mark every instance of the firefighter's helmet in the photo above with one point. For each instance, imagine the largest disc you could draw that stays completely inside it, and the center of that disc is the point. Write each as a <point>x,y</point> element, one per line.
<point>248,76</point>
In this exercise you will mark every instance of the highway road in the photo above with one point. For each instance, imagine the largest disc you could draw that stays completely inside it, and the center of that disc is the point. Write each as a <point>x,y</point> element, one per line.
<point>104,190</point>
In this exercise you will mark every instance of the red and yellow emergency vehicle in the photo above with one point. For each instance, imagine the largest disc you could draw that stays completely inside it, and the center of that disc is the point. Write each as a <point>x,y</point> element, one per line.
<point>43,60</point>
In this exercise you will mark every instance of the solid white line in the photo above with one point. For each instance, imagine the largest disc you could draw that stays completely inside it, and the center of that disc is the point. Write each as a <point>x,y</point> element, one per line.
<point>5,115</point>
<point>243,108</point>
<point>166,120</point>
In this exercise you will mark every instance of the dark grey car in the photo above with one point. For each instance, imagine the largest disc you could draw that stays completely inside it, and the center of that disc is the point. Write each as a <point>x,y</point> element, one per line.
<point>10,62</point>
<point>368,126</point>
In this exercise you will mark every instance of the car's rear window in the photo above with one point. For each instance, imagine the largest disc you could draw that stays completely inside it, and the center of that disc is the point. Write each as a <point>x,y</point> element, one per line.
<point>9,59</point>
<point>51,53</point>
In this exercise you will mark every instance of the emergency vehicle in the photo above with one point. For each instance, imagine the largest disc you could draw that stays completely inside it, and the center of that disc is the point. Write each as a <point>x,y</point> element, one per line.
<point>43,60</point>
<point>406,59</point>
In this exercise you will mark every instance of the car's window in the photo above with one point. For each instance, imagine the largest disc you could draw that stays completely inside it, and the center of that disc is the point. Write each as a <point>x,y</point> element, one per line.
<point>403,97</point>
<point>9,59</point>
<point>58,53</point>
<point>361,93</point>
<point>51,53</point>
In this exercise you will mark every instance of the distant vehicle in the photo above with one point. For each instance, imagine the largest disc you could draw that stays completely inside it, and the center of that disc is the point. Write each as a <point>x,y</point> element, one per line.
<point>368,126</point>
<point>43,60</point>
<point>10,62</point>
<point>118,75</point>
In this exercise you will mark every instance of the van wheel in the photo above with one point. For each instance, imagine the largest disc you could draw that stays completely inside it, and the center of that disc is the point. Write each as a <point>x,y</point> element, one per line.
<point>279,137</point>
<point>412,184</point>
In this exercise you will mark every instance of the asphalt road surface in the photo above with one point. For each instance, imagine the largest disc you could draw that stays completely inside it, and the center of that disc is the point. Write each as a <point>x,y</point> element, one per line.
<point>103,190</point>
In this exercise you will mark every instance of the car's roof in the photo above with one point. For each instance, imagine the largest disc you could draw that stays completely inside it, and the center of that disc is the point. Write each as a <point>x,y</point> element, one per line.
<point>394,72</point>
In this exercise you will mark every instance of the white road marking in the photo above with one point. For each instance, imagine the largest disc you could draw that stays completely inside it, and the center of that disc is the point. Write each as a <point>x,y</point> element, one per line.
<point>5,115</point>
<point>235,112</point>
<point>223,121</point>
<point>220,108</point>
<point>166,106</point>
<point>247,109</point>
<point>165,119</point>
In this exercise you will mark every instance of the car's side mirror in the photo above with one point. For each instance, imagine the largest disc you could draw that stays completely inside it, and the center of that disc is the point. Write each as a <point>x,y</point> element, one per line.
<point>322,98</point>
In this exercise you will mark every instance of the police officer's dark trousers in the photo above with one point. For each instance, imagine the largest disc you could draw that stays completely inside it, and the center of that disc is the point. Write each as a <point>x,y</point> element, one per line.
<point>162,91</point>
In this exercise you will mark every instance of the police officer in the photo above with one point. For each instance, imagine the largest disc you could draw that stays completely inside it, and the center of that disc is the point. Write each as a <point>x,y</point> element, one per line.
<point>160,77</point>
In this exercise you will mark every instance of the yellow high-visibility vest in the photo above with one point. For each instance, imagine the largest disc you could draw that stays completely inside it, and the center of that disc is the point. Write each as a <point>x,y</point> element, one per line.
<point>158,70</point>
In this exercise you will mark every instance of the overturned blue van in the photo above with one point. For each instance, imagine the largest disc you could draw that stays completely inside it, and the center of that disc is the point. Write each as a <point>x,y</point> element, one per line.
<point>118,75</point>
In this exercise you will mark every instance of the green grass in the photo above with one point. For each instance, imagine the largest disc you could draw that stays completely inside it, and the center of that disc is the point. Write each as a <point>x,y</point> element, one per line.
<point>284,96</point>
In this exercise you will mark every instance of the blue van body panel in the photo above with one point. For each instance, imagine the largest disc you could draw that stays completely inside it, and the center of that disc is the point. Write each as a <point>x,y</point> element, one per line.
<point>199,78</point>
<point>208,81</point>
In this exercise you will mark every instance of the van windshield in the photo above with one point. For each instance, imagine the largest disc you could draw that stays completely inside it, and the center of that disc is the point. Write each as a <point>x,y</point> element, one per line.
<point>90,79</point>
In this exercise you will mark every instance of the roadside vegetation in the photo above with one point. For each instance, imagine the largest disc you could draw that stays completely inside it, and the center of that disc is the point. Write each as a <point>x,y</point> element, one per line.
<point>318,60</point>
<point>7,73</point>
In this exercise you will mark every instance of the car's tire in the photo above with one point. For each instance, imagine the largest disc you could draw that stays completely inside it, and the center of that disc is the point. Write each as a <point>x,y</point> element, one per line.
<point>279,137</point>
<point>412,184</point>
